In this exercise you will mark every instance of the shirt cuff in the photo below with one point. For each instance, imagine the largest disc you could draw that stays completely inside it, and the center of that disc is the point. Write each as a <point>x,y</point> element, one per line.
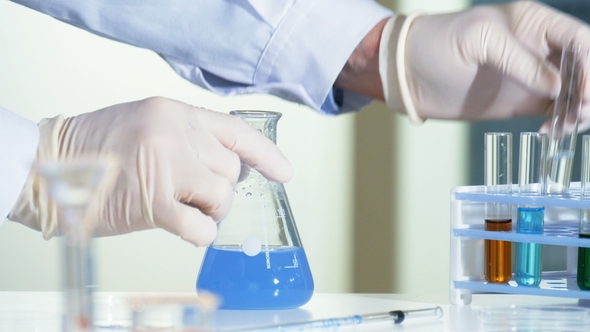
<point>340,101</point>
<point>343,25</point>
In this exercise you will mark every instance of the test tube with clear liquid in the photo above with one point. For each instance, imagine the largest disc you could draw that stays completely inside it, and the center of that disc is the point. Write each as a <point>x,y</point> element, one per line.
<point>564,123</point>
<point>583,275</point>
<point>257,260</point>
<point>530,218</point>
<point>72,186</point>
<point>498,216</point>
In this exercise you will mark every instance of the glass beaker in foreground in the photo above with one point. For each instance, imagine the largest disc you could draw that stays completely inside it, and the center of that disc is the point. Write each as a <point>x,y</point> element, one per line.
<point>530,218</point>
<point>564,123</point>
<point>257,260</point>
<point>171,312</point>
<point>72,186</point>
<point>498,216</point>
<point>583,277</point>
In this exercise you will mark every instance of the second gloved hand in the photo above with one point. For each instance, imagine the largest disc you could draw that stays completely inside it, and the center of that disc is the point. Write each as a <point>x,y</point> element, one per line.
<point>178,167</point>
<point>488,62</point>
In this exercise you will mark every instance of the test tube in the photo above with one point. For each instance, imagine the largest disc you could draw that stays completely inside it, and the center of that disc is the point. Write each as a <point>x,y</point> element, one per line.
<point>564,124</point>
<point>583,279</point>
<point>498,216</point>
<point>528,265</point>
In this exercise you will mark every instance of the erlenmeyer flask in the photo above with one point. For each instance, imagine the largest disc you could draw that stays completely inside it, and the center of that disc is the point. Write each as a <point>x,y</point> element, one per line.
<point>257,260</point>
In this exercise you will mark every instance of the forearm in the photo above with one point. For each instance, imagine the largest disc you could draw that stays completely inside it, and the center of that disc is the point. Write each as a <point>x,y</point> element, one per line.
<point>295,50</point>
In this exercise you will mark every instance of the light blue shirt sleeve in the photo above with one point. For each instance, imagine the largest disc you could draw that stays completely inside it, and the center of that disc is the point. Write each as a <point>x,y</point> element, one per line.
<point>293,49</point>
<point>18,144</point>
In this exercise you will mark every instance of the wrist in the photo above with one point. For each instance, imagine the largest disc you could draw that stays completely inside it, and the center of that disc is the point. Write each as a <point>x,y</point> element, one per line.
<point>360,74</point>
<point>392,66</point>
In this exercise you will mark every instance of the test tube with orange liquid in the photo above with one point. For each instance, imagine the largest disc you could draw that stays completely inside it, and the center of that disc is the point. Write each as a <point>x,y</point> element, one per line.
<point>498,216</point>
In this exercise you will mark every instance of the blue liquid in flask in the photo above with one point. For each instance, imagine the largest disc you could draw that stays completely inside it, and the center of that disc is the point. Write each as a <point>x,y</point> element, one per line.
<point>277,278</point>
<point>529,261</point>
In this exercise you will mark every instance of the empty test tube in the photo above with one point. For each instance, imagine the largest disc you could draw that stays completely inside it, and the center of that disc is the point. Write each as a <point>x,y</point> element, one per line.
<point>498,216</point>
<point>583,279</point>
<point>530,218</point>
<point>564,124</point>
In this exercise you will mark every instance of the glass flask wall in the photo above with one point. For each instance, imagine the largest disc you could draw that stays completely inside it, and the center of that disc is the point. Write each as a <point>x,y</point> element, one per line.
<point>257,260</point>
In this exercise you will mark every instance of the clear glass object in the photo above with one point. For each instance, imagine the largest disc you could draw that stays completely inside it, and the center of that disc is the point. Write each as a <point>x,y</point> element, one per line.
<point>564,123</point>
<point>530,218</point>
<point>583,275</point>
<point>71,186</point>
<point>533,318</point>
<point>171,312</point>
<point>257,260</point>
<point>498,216</point>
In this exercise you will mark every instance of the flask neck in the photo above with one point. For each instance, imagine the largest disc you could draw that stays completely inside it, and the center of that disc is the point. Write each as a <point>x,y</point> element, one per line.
<point>264,121</point>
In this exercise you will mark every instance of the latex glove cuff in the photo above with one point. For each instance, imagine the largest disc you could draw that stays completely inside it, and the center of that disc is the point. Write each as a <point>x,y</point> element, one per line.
<point>392,66</point>
<point>33,208</point>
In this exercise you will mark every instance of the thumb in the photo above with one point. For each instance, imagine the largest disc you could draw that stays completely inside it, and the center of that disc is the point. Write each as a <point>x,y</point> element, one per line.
<point>584,123</point>
<point>545,127</point>
<point>189,223</point>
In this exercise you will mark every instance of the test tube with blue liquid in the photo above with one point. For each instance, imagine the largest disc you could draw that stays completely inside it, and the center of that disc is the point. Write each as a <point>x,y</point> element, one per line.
<point>530,217</point>
<point>498,216</point>
<point>583,275</point>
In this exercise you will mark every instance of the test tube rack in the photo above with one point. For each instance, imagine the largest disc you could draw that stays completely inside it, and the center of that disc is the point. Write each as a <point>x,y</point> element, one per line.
<point>468,236</point>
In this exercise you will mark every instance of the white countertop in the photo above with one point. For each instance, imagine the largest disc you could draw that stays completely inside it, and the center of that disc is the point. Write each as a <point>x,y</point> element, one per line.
<point>41,312</point>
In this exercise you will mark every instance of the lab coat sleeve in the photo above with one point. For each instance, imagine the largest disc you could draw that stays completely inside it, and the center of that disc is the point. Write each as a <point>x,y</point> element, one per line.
<point>293,49</point>
<point>18,146</point>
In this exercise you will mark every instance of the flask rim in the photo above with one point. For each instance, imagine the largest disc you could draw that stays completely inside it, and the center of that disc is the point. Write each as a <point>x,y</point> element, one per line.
<point>257,114</point>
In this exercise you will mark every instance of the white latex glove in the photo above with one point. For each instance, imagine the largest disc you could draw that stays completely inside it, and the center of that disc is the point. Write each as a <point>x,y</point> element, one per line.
<point>178,167</point>
<point>488,62</point>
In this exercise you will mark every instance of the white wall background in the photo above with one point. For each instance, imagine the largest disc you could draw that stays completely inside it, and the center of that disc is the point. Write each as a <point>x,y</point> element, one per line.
<point>48,68</point>
<point>431,160</point>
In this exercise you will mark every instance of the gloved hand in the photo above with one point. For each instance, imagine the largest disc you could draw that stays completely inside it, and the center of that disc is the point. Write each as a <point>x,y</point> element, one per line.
<point>178,166</point>
<point>488,62</point>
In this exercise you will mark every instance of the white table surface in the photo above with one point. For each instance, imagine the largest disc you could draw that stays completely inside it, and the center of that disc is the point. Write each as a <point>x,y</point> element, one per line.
<point>41,312</point>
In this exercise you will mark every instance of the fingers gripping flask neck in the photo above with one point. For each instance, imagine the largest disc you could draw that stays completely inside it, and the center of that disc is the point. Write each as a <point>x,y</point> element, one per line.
<point>257,260</point>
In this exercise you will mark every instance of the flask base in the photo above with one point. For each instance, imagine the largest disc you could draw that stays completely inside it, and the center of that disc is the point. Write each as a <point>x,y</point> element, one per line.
<point>275,278</point>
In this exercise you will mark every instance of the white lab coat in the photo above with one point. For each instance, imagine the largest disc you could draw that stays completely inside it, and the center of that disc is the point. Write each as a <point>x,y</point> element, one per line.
<point>293,49</point>
<point>18,145</point>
